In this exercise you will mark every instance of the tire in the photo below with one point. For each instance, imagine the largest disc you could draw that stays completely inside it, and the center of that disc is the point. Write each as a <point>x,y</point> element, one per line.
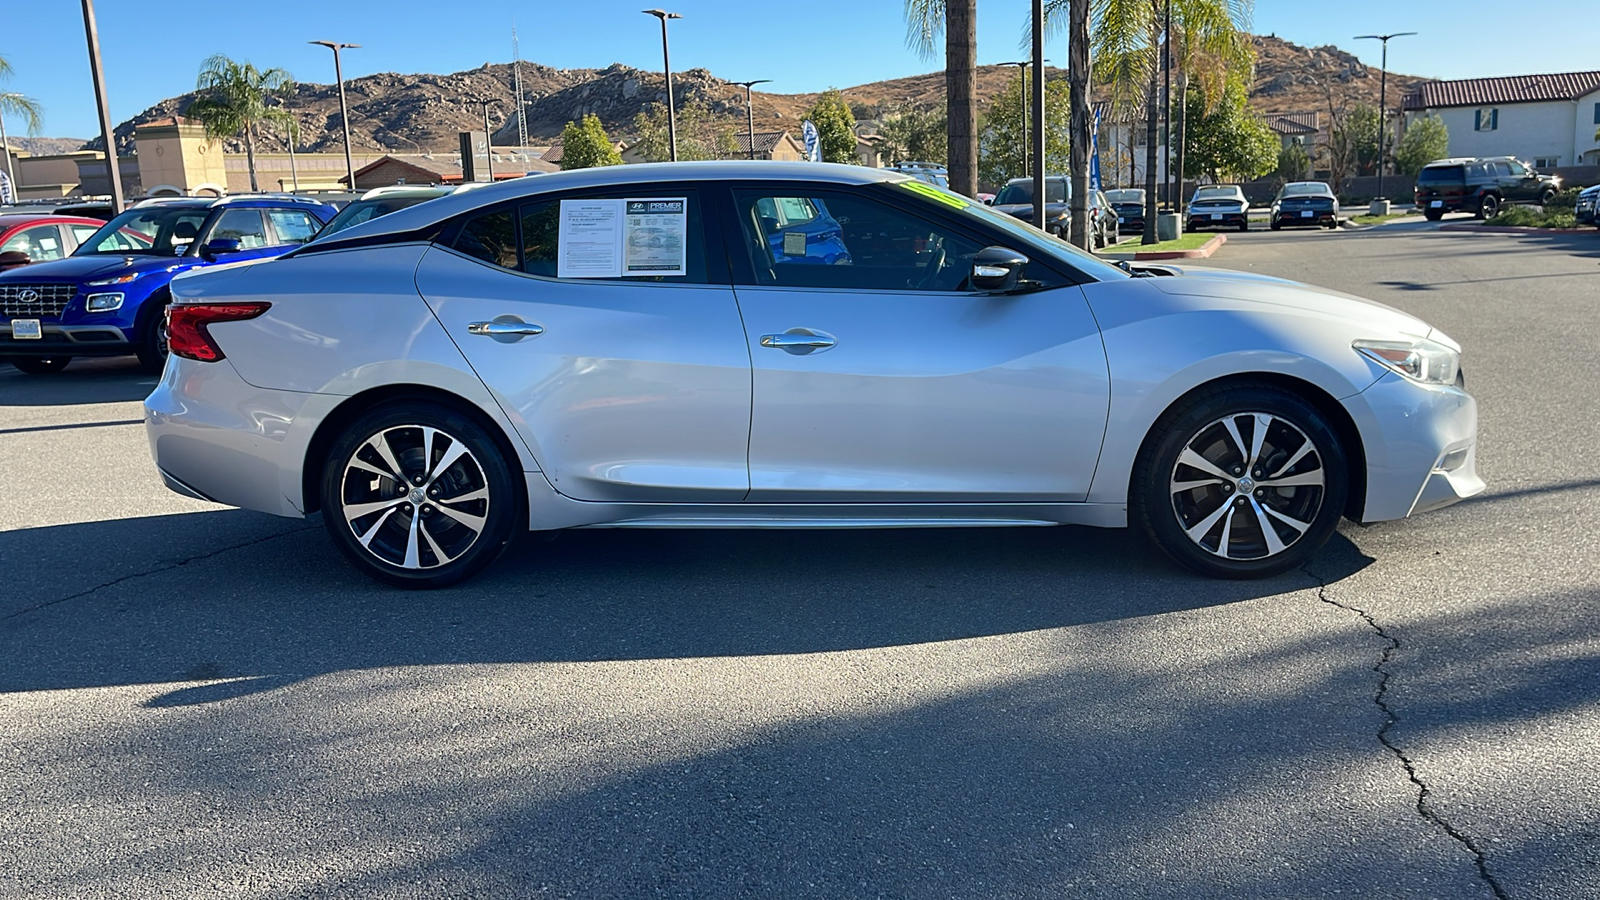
<point>1488,206</point>
<point>1244,226</point>
<point>40,365</point>
<point>1546,196</point>
<point>1276,227</point>
<point>152,331</point>
<point>469,510</point>
<point>1433,215</point>
<point>1198,525</point>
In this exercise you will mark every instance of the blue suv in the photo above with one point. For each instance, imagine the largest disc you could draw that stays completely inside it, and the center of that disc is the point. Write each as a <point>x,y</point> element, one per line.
<point>109,297</point>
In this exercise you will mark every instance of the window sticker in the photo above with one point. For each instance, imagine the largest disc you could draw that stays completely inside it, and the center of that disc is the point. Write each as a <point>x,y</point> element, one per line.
<point>620,238</point>
<point>794,243</point>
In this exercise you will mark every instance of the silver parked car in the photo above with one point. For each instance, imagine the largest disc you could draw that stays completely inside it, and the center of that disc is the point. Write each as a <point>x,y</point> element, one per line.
<point>825,347</point>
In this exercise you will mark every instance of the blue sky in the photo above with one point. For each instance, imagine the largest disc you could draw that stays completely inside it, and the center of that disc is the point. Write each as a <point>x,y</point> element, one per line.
<point>802,47</point>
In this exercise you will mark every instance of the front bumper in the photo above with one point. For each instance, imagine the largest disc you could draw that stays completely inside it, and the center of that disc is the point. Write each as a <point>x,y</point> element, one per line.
<point>1421,445</point>
<point>66,340</point>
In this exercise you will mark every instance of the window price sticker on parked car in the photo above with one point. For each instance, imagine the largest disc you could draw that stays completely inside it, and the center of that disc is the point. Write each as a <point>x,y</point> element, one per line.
<point>620,238</point>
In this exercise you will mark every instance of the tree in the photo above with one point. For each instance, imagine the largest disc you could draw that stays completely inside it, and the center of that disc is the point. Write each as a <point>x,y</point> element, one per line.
<point>1293,163</point>
<point>701,135</point>
<point>957,21</point>
<point>25,108</point>
<point>836,127</point>
<point>235,100</point>
<point>1231,142</point>
<point>1363,129</point>
<point>912,133</point>
<point>584,146</point>
<point>1000,137</point>
<point>1425,140</point>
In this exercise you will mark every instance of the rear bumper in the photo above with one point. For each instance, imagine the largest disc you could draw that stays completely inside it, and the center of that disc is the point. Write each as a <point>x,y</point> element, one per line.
<point>66,340</point>
<point>1318,218</point>
<point>1200,221</point>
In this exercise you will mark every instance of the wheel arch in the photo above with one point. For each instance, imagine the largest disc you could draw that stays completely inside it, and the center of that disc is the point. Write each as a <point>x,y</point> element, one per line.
<point>1343,424</point>
<point>340,417</point>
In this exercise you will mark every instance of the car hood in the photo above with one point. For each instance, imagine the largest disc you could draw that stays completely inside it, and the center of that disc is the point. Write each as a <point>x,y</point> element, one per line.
<point>1197,281</point>
<point>92,267</point>
<point>1024,210</point>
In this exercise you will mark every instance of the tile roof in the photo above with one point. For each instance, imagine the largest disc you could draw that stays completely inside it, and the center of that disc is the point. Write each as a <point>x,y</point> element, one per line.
<point>1511,89</point>
<point>765,141</point>
<point>1289,125</point>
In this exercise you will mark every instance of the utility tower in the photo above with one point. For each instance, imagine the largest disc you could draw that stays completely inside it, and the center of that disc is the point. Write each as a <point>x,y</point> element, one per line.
<point>516,78</point>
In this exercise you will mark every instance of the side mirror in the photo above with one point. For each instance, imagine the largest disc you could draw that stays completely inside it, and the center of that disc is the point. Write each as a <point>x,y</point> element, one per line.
<point>13,259</point>
<point>996,270</point>
<point>219,246</point>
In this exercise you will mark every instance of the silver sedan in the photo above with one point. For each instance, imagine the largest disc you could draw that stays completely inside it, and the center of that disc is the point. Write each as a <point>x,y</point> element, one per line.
<point>775,345</point>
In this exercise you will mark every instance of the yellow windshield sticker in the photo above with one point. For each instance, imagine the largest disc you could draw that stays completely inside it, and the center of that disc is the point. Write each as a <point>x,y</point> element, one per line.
<point>931,192</point>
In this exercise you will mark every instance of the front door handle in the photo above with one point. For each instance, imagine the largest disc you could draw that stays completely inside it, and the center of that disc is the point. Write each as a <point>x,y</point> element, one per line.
<point>799,341</point>
<point>505,329</point>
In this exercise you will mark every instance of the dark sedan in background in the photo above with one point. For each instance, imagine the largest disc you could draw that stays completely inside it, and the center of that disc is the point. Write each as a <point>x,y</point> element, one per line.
<point>1304,204</point>
<point>1129,206</point>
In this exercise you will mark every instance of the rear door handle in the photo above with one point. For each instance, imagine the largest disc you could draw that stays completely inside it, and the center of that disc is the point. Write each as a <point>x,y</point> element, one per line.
<point>799,341</point>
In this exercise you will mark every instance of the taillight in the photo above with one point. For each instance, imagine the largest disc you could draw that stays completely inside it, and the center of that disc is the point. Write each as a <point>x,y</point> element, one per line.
<point>186,326</point>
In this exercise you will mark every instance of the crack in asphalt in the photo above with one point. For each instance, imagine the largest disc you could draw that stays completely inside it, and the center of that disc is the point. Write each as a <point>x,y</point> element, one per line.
<point>1390,719</point>
<point>156,571</point>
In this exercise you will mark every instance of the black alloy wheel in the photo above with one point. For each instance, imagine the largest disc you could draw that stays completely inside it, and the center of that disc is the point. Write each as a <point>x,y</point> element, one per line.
<point>1488,207</point>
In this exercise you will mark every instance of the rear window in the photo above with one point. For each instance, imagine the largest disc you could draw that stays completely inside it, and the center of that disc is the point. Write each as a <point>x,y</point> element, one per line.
<point>1441,175</point>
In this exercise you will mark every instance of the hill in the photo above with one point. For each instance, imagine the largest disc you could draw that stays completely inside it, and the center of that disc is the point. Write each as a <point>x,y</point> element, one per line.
<point>407,113</point>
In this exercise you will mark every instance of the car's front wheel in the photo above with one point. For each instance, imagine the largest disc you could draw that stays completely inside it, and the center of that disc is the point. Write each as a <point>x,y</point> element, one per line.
<point>40,365</point>
<point>418,495</point>
<point>1241,482</point>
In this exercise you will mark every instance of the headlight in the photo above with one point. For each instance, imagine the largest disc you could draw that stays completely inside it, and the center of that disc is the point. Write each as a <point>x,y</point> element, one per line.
<point>1421,360</point>
<point>103,302</point>
<point>120,279</point>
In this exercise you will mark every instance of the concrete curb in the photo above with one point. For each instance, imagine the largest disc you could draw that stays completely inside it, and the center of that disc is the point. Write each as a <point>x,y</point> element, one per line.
<point>1205,250</point>
<point>1507,229</point>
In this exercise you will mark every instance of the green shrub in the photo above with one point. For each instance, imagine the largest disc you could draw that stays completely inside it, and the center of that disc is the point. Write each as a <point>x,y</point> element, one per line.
<point>1528,216</point>
<point>1567,199</point>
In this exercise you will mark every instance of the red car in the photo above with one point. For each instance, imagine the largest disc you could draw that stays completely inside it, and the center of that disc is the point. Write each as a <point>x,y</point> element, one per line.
<point>38,237</point>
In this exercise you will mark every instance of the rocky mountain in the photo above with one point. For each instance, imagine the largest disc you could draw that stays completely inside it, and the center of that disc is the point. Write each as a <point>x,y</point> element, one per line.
<point>43,146</point>
<point>409,113</point>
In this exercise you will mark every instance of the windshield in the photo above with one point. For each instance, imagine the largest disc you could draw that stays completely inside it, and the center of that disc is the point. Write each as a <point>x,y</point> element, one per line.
<point>367,210</point>
<point>1025,237</point>
<point>1435,174</point>
<point>153,231</point>
<point>1055,191</point>
<point>1125,195</point>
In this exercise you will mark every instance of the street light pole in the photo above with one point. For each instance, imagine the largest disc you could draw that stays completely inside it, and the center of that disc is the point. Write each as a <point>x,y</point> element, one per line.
<point>750,108</point>
<point>488,143</point>
<point>1022,67</point>
<point>1383,100</point>
<point>344,108</point>
<point>107,131</point>
<point>666,63</point>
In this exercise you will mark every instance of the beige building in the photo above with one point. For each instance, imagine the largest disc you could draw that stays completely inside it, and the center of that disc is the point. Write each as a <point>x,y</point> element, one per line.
<point>176,159</point>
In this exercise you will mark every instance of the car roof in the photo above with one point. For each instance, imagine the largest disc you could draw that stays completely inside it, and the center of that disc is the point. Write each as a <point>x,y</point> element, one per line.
<point>11,220</point>
<point>241,200</point>
<point>442,208</point>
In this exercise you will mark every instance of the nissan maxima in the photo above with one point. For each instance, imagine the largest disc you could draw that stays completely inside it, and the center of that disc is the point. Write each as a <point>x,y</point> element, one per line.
<point>792,345</point>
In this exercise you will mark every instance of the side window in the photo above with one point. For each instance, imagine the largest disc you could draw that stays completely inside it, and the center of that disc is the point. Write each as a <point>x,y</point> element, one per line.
<point>81,233</point>
<point>294,226</point>
<point>242,225</point>
<point>491,237</point>
<point>849,242</point>
<point>643,235</point>
<point>1517,169</point>
<point>41,243</point>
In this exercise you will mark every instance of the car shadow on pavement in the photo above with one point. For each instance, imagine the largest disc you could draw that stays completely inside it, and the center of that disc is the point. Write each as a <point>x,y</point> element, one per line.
<point>255,602</point>
<point>83,381</point>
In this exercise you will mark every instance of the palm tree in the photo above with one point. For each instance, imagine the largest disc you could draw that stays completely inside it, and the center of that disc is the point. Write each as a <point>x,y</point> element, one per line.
<point>1128,42</point>
<point>957,20</point>
<point>1210,42</point>
<point>235,99</point>
<point>15,104</point>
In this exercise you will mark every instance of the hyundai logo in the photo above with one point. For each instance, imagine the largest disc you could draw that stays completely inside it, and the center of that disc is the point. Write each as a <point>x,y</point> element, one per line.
<point>28,296</point>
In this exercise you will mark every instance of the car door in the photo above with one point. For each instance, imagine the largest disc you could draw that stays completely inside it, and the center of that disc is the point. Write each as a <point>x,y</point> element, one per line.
<point>1522,184</point>
<point>249,228</point>
<point>879,376</point>
<point>610,336</point>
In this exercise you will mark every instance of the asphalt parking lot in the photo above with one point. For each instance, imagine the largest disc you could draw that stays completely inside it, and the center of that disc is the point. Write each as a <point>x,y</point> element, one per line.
<point>203,702</point>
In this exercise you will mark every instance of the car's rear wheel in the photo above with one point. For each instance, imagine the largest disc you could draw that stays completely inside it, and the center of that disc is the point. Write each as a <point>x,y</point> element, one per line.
<point>418,495</point>
<point>40,365</point>
<point>1488,206</point>
<point>1546,196</point>
<point>1241,482</point>
<point>1434,215</point>
<point>1277,226</point>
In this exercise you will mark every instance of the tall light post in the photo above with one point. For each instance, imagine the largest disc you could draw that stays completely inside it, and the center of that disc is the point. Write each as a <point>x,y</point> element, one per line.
<point>344,108</point>
<point>1383,99</point>
<point>750,108</point>
<point>488,143</point>
<point>1022,68</point>
<point>666,63</point>
<point>107,131</point>
<point>1039,194</point>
